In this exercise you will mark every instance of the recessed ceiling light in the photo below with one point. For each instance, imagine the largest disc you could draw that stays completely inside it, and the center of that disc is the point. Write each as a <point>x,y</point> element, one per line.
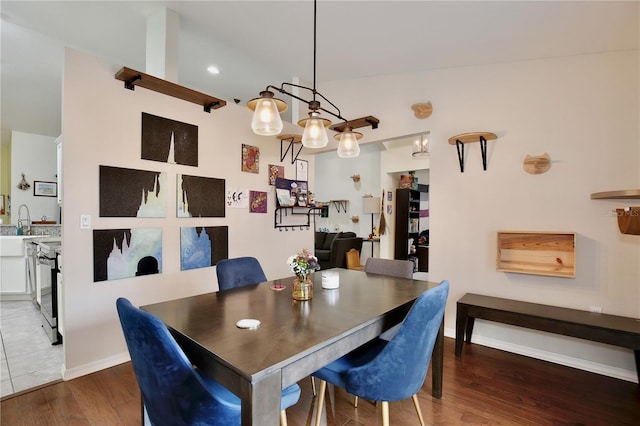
<point>213,69</point>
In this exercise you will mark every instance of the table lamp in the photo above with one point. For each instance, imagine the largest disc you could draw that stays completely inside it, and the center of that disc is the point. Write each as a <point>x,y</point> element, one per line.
<point>371,205</point>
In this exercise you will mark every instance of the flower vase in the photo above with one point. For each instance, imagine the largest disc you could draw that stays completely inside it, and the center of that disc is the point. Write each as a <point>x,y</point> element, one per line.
<point>302,288</point>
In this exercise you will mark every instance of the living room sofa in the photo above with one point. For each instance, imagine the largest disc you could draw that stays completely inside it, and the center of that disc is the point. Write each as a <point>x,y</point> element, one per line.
<point>331,247</point>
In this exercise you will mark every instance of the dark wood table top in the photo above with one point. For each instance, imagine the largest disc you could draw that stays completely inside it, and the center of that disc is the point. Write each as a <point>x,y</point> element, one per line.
<point>290,330</point>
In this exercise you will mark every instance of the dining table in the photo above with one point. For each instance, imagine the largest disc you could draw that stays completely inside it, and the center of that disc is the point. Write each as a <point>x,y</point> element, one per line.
<point>293,338</point>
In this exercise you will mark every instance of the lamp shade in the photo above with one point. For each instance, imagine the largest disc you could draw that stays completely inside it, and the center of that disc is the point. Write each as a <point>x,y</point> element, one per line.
<point>315,134</point>
<point>348,146</point>
<point>266,118</point>
<point>371,205</point>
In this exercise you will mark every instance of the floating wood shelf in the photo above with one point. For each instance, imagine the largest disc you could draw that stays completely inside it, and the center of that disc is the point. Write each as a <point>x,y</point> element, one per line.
<point>133,78</point>
<point>623,194</point>
<point>356,124</point>
<point>461,139</point>
<point>537,253</point>
<point>292,139</point>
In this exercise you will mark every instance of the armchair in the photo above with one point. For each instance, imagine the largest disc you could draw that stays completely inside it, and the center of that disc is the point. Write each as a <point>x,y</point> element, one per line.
<point>331,248</point>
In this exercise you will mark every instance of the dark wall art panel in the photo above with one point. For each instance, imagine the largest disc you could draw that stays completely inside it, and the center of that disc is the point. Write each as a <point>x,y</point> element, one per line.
<point>169,141</point>
<point>200,196</point>
<point>124,253</point>
<point>132,193</point>
<point>201,247</point>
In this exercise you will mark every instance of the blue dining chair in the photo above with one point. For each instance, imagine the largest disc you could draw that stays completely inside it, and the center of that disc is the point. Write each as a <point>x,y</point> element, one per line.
<point>173,391</point>
<point>392,370</point>
<point>238,272</point>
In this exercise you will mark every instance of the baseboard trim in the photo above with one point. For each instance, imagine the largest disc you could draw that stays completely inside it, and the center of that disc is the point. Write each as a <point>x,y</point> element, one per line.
<point>83,370</point>
<point>581,364</point>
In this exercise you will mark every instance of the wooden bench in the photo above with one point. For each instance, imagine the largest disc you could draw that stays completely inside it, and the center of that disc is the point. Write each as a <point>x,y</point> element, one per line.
<point>610,329</point>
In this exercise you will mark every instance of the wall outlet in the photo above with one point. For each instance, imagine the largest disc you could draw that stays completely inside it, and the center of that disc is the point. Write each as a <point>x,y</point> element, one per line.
<point>595,309</point>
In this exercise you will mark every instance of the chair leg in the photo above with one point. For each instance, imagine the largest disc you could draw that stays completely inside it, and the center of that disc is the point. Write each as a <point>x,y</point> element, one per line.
<point>313,386</point>
<point>321,391</point>
<point>385,413</point>
<point>283,418</point>
<point>355,401</point>
<point>417,405</point>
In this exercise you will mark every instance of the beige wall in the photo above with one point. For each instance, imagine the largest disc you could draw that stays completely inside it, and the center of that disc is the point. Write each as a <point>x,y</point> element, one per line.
<point>101,126</point>
<point>583,111</point>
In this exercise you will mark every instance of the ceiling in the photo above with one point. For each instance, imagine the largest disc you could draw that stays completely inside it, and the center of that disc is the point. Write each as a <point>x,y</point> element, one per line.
<point>256,43</point>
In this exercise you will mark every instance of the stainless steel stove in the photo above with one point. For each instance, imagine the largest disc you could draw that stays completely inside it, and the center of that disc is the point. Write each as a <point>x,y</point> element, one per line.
<point>47,286</point>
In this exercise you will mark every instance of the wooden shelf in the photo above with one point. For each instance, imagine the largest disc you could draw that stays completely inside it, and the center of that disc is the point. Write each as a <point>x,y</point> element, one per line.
<point>133,78</point>
<point>622,194</point>
<point>537,253</point>
<point>463,138</point>
<point>357,123</point>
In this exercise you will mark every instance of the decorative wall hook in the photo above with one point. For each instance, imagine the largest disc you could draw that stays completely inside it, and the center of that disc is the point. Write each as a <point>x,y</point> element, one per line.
<point>422,111</point>
<point>537,164</point>
<point>356,178</point>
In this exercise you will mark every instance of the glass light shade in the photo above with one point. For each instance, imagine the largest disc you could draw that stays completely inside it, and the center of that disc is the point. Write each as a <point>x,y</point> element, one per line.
<point>421,146</point>
<point>266,119</point>
<point>315,135</point>
<point>348,146</point>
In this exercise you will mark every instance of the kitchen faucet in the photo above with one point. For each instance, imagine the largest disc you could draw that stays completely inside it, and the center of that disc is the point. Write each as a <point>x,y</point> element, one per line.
<point>21,225</point>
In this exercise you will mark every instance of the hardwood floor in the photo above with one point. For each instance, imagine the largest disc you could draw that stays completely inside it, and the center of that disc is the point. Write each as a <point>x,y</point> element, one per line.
<point>483,387</point>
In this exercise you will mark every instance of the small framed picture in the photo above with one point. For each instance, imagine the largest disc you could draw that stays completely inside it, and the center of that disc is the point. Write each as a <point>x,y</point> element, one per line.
<point>45,189</point>
<point>302,170</point>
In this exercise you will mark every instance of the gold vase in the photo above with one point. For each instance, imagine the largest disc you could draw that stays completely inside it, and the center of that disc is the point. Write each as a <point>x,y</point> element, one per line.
<point>302,288</point>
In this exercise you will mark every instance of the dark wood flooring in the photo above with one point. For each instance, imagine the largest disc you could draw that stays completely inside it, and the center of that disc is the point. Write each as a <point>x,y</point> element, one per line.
<point>483,387</point>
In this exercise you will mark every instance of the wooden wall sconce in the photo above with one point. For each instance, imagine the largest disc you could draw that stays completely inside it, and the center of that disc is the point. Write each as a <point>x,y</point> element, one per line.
<point>355,178</point>
<point>422,110</point>
<point>537,164</point>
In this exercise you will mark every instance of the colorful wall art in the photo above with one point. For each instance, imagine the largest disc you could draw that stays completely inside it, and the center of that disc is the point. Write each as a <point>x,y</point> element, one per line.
<point>169,141</point>
<point>250,159</point>
<point>275,172</point>
<point>257,202</point>
<point>238,198</point>
<point>291,192</point>
<point>200,196</point>
<point>132,193</point>
<point>202,247</point>
<point>125,253</point>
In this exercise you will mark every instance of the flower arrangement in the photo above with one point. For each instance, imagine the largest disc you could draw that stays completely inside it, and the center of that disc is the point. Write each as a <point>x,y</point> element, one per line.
<point>303,263</point>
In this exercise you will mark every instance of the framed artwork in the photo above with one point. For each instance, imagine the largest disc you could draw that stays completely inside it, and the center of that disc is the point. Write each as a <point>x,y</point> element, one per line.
<point>275,172</point>
<point>200,196</point>
<point>132,193</point>
<point>169,141</point>
<point>250,159</point>
<point>125,253</point>
<point>238,198</point>
<point>45,189</point>
<point>257,202</point>
<point>302,170</point>
<point>389,196</point>
<point>201,247</point>
<point>2,204</point>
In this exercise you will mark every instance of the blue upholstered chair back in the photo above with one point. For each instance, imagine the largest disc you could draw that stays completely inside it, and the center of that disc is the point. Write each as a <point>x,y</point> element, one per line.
<point>172,392</point>
<point>399,370</point>
<point>238,272</point>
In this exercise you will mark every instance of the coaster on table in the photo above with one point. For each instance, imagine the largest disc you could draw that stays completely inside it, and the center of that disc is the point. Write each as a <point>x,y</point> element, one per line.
<point>278,287</point>
<point>248,323</point>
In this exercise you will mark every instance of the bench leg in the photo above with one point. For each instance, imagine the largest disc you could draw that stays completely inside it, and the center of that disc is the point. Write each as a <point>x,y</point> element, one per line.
<point>461,323</point>
<point>470,322</point>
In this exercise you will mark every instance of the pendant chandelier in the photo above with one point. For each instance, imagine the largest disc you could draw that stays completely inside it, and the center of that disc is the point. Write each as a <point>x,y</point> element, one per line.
<point>421,146</point>
<point>267,121</point>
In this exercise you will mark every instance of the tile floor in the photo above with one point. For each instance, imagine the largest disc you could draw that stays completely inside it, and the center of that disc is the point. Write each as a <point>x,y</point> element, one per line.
<point>28,358</point>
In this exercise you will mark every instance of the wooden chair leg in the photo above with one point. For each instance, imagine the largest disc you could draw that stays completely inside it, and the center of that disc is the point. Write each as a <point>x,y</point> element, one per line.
<point>417,405</point>
<point>313,386</point>
<point>355,401</point>
<point>385,413</point>
<point>283,418</point>
<point>321,392</point>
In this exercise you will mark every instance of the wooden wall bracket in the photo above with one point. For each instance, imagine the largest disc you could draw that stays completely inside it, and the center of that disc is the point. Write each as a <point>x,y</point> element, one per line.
<point>460,140</point>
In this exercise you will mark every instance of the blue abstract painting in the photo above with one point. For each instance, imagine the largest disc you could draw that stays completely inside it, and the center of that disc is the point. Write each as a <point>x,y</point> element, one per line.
<point>201,247</point>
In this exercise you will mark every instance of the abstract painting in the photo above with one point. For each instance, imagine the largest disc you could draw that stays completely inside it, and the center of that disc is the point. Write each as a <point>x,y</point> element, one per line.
<point>250,159</point>
<point>201,247</point>
<point>132,193</point>
<point>200,196</point>
<point>169,141</point>
<point>257,202</point>
<point>275,172</point>
<point>125,253</point>
<point>238,198</point>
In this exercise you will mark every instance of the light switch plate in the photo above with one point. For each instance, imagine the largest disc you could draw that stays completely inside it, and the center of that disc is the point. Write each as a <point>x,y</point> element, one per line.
<point>85,221</point>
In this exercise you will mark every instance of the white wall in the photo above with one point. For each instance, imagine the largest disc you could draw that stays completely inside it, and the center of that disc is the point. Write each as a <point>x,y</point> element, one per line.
<point>102,126</point>
<point>583,111</point>
<point>35,156</point>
